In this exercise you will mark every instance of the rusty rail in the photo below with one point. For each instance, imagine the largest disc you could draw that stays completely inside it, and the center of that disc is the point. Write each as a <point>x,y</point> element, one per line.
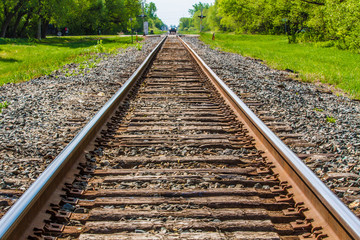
<point>23,211</point>
<point>324,207</point>
<point>335,215</point>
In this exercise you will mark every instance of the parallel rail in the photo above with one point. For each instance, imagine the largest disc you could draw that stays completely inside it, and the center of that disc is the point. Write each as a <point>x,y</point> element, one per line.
<point>335,214</point>
<point>21,214</point>
<point>337,221</point>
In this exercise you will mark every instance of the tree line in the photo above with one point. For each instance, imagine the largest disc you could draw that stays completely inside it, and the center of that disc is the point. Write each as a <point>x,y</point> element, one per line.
<point>332,22</point>
<point>36,18</point>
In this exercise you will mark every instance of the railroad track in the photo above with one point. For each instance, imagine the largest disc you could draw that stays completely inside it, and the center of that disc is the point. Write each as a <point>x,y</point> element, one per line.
<point>176,155</point>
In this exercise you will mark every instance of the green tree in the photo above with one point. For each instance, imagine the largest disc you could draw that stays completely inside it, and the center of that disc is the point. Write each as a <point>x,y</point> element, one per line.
<point>9,10</point>
<point>193,23</point>
<point>308,20</point>
<point>342,19</point>
<point>186,23</point>
<point>154,21</point>
<point>214,19</point>
<point>151,10</point>
<point>31,18</point>
<point>198,7</point>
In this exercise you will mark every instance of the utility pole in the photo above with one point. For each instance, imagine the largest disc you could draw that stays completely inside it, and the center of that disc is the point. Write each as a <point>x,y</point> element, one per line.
<point>201,18</point>
<point>143,15</point>
<point>131,25</point>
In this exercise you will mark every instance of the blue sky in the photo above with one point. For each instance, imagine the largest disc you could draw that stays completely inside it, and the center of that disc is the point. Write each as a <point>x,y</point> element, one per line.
<point>170,11</point>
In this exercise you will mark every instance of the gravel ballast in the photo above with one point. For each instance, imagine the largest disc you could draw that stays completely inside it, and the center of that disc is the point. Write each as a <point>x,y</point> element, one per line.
<point>44,114</point>
<point>319,126</point>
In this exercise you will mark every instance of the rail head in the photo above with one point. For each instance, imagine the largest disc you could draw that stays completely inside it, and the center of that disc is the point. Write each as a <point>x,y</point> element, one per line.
<point>11,221</point>
<point>337,209</point>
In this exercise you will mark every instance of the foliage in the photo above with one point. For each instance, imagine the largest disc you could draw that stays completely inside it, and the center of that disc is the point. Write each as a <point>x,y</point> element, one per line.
<point>37,18</point>
<point>155,22</point>
<point>186,24</point>
<point>197,7</point>
<point>343,23</point>
<point>214,18</point>
<point>192,24</point>
<point>23,59</point>
<point>334,22</point>
<point>330,119</point>
<point>138,46</point>
<point>310,62</point>
<point>4,104</point>
<point>100,46</point>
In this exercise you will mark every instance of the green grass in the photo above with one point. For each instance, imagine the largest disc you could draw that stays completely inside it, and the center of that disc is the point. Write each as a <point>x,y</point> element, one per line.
<point>189,32</point>
<point>24,59</point>
<point>157,32</point>
<point>311,63</point>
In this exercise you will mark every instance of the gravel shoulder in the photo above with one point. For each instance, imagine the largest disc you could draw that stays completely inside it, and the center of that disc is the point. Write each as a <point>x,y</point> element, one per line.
<point>322,128</point>
<point>46,113</point>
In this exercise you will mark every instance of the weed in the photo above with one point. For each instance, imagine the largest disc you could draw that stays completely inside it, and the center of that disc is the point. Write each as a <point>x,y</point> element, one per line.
<point>91,64</point>
<point>4,104</point>
<point>138,47</point>
<point>100,48</point>
<point>74,73</point>
<point>330,119</point>
<point>69,74</point>
<point>318,109</point>
<point>82,65</point>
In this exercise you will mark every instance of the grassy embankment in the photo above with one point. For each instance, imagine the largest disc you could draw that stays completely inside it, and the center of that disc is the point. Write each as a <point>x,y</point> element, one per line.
<point>188,32</point>
<point>312,62</point>
<point>23,59</point>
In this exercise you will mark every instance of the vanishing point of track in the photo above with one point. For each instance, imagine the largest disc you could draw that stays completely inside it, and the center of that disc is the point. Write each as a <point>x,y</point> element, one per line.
<point>176,155</point>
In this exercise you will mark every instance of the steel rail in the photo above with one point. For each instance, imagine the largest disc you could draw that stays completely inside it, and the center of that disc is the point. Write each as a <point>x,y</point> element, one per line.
<point>342,221</point>
<point>26,206</point>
